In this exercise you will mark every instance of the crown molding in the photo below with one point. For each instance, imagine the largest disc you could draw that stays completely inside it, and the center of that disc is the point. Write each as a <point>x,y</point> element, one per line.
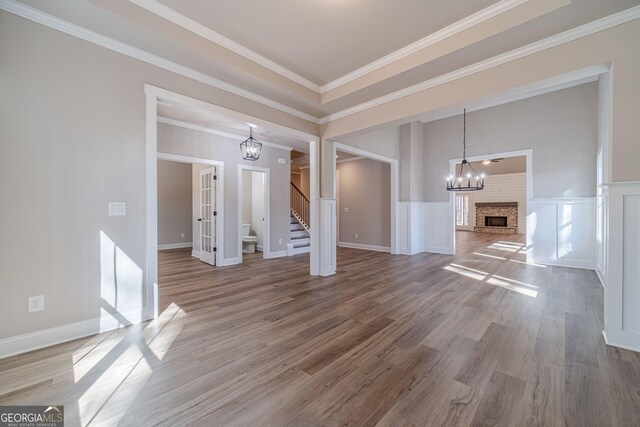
<point>532,48</point>
<point>195,27</point>
<point>187,125</point>
<point>83,33</point>
<point>440,35</point>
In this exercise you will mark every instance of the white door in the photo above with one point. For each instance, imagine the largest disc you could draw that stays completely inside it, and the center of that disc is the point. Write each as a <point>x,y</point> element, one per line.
<point>208,214</point>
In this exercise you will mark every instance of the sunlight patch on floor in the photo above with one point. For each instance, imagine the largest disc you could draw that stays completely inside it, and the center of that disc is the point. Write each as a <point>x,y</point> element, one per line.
<point>492,279</point>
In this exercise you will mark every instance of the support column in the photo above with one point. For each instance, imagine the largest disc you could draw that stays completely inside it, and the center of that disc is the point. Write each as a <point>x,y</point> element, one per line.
<point>327,233</point>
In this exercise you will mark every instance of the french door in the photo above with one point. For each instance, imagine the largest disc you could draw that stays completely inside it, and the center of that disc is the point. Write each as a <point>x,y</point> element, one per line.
<point>207,219</point>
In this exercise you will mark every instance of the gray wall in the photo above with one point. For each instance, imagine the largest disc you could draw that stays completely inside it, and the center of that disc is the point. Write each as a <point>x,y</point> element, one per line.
<point>174,202</point>
<point>364,188</point>
<point>561,128</point>
<point>72,138</point>
<point>187,142</point>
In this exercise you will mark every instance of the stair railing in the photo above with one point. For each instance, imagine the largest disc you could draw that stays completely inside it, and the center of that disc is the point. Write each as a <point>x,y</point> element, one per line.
<point>300,207</point>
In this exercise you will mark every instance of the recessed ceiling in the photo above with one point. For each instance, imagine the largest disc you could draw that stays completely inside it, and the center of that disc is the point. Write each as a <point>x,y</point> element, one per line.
<point>184,116</point>
<point>326,39</point>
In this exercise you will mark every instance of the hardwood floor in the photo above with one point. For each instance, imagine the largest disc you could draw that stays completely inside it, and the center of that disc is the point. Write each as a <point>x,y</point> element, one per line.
<point>480,338</point>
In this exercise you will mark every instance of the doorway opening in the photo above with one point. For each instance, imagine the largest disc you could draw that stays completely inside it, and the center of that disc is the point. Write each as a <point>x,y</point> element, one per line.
<point>363,203</point>
<point>254,212</point>
<point>497,214</point>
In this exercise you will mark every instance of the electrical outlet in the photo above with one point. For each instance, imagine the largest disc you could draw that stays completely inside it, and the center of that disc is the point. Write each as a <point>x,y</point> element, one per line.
<point>356,235</point>
<point>36,303</point>
<point>182,235</point>
<point>280,241</point>
<point>346,209</point>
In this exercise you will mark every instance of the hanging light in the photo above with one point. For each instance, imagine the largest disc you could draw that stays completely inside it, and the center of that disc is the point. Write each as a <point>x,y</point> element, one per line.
<point>251,148</point>
<point>466,179</point>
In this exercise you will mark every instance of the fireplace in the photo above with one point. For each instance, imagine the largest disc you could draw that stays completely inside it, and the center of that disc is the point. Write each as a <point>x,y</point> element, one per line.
<point>497,217</point>
<point>495,221</point>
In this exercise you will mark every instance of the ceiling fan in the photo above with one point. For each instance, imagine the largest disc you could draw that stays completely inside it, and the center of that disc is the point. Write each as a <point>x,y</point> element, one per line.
<point>488,161</point>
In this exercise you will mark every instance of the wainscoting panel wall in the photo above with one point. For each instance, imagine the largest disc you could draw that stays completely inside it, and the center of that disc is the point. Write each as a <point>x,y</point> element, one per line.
<point>562,232</point>
<point>438,228</point>
<point>622,280</point>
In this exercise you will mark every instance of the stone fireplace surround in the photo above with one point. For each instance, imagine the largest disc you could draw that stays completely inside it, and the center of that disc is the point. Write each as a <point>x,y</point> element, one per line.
<point>504,209</point>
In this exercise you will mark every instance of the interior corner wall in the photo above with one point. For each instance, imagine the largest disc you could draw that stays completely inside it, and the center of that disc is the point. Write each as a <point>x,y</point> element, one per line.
<point>365,190</point>
<point>561,127</point>
<point>385,142</point>
<point>305,182</point>
<point>174,203</point>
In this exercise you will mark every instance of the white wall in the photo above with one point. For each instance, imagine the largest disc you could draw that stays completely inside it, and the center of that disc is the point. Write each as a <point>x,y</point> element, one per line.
<point>174,204</point>
<point>500,188</point>
<point>247,196</point>
<point>257,205</point>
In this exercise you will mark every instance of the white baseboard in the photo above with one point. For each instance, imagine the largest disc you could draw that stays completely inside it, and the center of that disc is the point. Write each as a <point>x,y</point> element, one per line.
<point>175,246</point>
<point>47,337</point>
<point>364,247</point>
<point>600,276</point>
<point>277,254</point>
<point>259,248</point>
<point>586,265</point>
<point>613,344</point>
<point>231,261</point>
<point>438,250</point>
<point>195,254</point>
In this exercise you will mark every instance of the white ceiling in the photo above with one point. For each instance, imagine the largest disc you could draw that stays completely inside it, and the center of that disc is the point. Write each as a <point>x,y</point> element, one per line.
<point>224,126</point>
<point>322,40</point>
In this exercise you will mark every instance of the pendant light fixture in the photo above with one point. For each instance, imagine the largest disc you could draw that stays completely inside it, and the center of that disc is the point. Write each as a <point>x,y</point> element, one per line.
<point>466,179</point>
<point>251,148</point>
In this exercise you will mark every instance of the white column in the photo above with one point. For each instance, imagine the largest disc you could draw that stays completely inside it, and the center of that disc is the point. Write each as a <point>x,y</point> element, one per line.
<point>328,236</point>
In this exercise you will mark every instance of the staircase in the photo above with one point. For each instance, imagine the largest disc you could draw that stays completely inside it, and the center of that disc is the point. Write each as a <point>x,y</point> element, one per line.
<point>299,223</point>
<point>299,237</point>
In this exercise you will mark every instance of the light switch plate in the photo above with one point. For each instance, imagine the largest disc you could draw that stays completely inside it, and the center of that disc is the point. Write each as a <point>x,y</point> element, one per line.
<point>117,208</point>
<point>282,161</point>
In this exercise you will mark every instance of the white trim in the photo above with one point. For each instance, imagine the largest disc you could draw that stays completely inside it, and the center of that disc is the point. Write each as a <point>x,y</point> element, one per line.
<point>195,254</point>
<point>231,261</point>
<point>350,159</point>
<point>535,47</point>
<point>217,132</point>
<point>433,38</point>
<point>168,246</point>
<point>364,247</point>
<point>266,226</point>
<point>277,254</point>
<point>528,153</point>
<point>51,336</point>
<point>83,33</point>
<point>217,38</point>
<point>219,244</point>
<point>394,185</point>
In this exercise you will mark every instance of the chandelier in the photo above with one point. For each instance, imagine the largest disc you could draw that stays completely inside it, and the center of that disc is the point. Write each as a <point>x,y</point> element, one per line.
<point>463,181</point>
<point>251,148</point>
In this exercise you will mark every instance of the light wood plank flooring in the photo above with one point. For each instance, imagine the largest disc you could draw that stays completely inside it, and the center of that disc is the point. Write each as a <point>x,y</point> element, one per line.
<point>480,338</point>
